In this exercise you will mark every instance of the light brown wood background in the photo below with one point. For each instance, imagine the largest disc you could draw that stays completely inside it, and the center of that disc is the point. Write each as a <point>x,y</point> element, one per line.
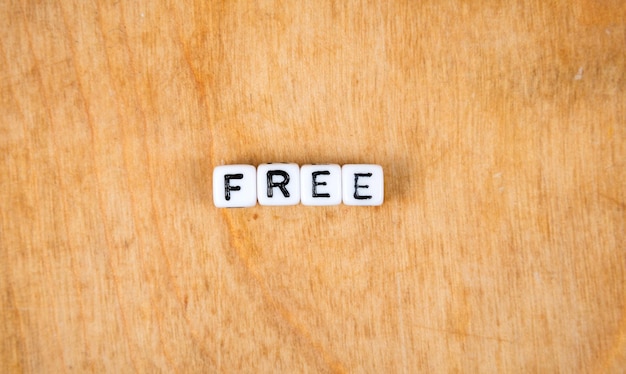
<point>501,128</point>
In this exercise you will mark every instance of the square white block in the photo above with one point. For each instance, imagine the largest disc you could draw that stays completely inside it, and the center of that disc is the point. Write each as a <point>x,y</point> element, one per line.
<point>278,184</point>
<point>320,184</point>
<point>234,186</point>
<point>362,184</point>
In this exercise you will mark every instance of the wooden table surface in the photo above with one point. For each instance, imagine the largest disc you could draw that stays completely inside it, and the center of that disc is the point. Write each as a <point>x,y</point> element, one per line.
<point>501,128</point>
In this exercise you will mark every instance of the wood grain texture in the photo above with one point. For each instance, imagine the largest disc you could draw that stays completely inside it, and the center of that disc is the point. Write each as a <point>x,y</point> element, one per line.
<point>501,127</point>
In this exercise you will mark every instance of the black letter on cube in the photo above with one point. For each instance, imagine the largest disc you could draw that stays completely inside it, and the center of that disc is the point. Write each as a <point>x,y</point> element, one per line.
<point>271,184</point>
<point>228,187</point>
<point>357,185</point>
<point>316,183</point>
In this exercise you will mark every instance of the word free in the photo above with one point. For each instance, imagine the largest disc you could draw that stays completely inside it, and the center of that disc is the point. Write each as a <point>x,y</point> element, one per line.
<point>236,186</point>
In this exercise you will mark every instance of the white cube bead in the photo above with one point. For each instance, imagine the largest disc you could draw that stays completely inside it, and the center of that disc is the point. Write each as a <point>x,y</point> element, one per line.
<point>234,186</point>
<point>362,184</point>
<point>320,184</point>
<point>278,184</point>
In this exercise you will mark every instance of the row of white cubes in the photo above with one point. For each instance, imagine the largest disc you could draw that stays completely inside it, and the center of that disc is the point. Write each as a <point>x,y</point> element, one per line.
<point>236,186</point>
